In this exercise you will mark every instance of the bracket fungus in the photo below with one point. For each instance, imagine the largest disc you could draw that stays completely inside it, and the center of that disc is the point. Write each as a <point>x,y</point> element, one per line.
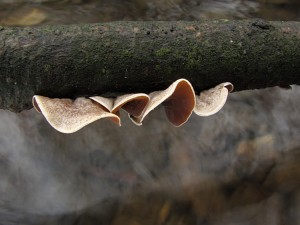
<point>179,101</point>
<point>68,116</point>
<point>211,101</point>
<point>134,104</point>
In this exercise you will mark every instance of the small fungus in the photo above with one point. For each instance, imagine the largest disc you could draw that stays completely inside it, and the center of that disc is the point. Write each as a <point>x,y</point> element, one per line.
<point>68,116</point>
<point>134,104</point>
<point>211,101</point>
<point>178,100</point>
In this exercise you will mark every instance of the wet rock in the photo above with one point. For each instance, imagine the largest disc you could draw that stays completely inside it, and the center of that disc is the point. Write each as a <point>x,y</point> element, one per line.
<point>25,17</point>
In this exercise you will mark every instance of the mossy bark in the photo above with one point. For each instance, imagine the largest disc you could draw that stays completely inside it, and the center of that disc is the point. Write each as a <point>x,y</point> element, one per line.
<point>126,57</point>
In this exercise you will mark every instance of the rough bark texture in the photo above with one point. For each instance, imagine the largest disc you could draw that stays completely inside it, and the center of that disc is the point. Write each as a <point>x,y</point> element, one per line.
<point>126,57</point>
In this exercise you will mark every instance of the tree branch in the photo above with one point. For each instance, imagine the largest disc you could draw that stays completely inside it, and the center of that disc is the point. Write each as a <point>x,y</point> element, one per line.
<point>126,57</point>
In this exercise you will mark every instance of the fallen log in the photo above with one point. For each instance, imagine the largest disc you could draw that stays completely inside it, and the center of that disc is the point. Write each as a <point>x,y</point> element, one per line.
<point>126,57</point>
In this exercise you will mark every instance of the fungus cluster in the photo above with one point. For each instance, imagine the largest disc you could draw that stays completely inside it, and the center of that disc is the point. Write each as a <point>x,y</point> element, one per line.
<point>179,101</point>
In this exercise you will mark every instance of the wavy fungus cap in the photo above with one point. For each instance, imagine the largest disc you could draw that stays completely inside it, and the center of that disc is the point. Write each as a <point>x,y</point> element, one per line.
<point>211,101</point>
<point>134,104</point>
<point>178,100</point>
<point>68,116</point>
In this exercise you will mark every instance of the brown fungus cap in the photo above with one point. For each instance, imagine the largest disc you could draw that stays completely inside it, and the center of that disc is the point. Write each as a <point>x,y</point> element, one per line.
<point>106,103</point>
<point>178,100</point>
<point>68,116</point>
<point>211,101</point>
<point>134,104</point>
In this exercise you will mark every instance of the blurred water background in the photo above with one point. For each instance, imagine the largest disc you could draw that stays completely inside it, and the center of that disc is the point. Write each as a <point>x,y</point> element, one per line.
<point>36,12</point>
<point>240,166</point>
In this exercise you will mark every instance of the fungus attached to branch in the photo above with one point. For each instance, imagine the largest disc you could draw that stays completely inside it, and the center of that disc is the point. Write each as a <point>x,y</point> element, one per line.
<point>134,104</point>
<point>211,101</point>
<point>178,100</point>
<point>68,116</point>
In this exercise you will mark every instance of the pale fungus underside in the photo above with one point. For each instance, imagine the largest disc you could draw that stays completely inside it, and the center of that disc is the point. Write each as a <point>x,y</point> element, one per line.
<point>211,101</point>
<point>179,101</point>
<point>68,116</point>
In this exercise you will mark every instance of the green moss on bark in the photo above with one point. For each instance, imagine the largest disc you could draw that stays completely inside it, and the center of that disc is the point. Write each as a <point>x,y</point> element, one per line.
<point>121,57</point>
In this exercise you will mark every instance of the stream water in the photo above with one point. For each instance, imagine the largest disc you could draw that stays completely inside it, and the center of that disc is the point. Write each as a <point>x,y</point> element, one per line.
<point>240,166</point>
<point>35,12</point>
